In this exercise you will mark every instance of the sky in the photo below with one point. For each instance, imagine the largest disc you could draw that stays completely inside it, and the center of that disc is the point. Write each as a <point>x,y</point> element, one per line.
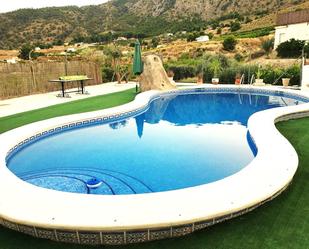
<point>11,5</point>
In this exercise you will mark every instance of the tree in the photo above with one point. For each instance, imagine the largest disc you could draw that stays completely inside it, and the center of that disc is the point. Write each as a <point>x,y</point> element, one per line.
<point>229,43</point>
<point>120,71</point>
<point>25,51</point>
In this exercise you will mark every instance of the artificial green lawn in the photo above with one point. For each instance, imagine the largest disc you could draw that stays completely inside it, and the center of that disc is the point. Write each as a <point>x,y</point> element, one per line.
<point>78,106</point>
<point>282,223</point>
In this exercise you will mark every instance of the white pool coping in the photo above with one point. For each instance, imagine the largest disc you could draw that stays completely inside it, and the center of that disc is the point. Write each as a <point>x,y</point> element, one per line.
<point>271,170</point>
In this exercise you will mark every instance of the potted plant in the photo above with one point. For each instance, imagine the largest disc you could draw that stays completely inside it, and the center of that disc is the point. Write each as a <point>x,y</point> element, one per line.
<point>285,82</point>
<point>238,79</point>
<point>215,67</point>
<point>258,79</point>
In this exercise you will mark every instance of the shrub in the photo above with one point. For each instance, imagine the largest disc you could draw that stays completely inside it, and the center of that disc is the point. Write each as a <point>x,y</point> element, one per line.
<point>292,48</point>
<point>238,57</point>
<point>235,26</point>
<point>215,66</point>
<point>210,35</point>
<point>229,43</point>
<point>248,19</point>
<point>293,73</point>
<point>155,42</point>
<point>227,76</point>
<point>184,56</point>
<point>272,75</point>
<point>182,72</point>
<point>257,54</point>
<point>192,36</point>
<point>107,74</point>
<point>268,46</point>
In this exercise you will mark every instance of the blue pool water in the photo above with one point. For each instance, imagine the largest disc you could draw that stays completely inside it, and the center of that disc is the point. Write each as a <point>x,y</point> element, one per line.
<point>181,141</point>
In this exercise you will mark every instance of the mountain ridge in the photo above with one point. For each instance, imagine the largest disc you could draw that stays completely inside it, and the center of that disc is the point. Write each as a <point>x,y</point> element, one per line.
<point>150,17</point>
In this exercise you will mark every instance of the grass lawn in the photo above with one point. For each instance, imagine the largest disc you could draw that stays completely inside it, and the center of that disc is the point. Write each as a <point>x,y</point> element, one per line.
<point>78,106</point>
<point>281,223</point>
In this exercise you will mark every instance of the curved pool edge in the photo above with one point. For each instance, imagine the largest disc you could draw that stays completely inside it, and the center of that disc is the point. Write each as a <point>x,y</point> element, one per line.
<point>136,218</point>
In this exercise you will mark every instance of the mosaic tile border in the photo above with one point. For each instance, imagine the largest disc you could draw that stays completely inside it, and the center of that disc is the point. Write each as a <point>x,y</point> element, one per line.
<point>127,237</point>
<point>147,234</point>
<point>117,117</point>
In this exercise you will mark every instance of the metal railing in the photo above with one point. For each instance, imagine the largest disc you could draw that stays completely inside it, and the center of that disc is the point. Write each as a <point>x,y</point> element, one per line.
<point>242,79</point>
<point>252,79</point>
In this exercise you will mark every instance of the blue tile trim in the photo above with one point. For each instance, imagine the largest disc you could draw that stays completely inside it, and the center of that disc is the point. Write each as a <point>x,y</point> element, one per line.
<point>124,115</point>
<point>129,236</point>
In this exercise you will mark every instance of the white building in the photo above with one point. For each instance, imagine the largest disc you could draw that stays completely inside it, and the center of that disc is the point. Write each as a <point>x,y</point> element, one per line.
<point>203,38</point>
<point>292,25</point>
<point>71,50</point>
<point>12,60</point>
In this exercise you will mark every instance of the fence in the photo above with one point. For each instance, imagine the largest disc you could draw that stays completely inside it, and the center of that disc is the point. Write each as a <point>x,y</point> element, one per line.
<point>32,77</point>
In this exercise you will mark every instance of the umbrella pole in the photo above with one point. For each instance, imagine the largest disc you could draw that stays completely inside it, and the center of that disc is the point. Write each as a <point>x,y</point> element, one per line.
<point>136,86</point>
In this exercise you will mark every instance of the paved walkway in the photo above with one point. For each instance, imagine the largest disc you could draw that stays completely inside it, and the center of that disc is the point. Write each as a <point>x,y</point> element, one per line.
<point>27,103</point>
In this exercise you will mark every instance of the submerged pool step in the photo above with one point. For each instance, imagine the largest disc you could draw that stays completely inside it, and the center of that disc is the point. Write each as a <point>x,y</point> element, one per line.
<point>75,180</point>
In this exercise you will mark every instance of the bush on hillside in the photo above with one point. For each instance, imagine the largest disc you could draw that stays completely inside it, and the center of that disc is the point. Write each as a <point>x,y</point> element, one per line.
<point>292,48</point>
<point>192,36</point>
<point>229,43</point>
<point>268,46</point>
<point>238,57</point>
<point>235,26</point>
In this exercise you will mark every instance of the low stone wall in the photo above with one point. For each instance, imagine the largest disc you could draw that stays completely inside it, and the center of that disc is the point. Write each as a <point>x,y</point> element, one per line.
<point>28,78</point>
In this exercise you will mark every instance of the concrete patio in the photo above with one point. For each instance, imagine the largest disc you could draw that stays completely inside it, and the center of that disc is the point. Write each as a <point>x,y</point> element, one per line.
<point>32,102</point>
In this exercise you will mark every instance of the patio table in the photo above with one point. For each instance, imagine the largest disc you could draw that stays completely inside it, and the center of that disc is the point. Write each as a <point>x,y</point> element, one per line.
<point>63,81</point>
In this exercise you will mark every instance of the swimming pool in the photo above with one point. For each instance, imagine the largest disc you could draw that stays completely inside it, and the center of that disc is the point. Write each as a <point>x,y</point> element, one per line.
<point>105,218</point>
<point>181,140</point>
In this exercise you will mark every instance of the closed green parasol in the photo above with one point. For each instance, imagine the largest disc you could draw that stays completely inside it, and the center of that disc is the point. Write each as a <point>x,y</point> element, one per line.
<point>137,61</point>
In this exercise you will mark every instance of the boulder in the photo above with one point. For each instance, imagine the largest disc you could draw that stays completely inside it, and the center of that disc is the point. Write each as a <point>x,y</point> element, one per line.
<point>154,76</point>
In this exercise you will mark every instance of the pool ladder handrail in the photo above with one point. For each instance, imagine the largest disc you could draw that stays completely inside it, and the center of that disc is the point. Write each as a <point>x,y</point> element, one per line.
<point>252,79</point>
<point>242,79</point>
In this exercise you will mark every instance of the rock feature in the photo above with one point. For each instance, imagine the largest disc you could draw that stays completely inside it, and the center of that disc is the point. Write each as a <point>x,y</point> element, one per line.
<point>154,76</point>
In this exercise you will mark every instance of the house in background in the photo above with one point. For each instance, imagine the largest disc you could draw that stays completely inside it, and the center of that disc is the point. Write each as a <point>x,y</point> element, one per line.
<point>292,25</point>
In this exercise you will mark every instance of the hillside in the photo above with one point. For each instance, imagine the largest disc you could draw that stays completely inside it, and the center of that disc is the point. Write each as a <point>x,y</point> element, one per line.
<point>147,17</point>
